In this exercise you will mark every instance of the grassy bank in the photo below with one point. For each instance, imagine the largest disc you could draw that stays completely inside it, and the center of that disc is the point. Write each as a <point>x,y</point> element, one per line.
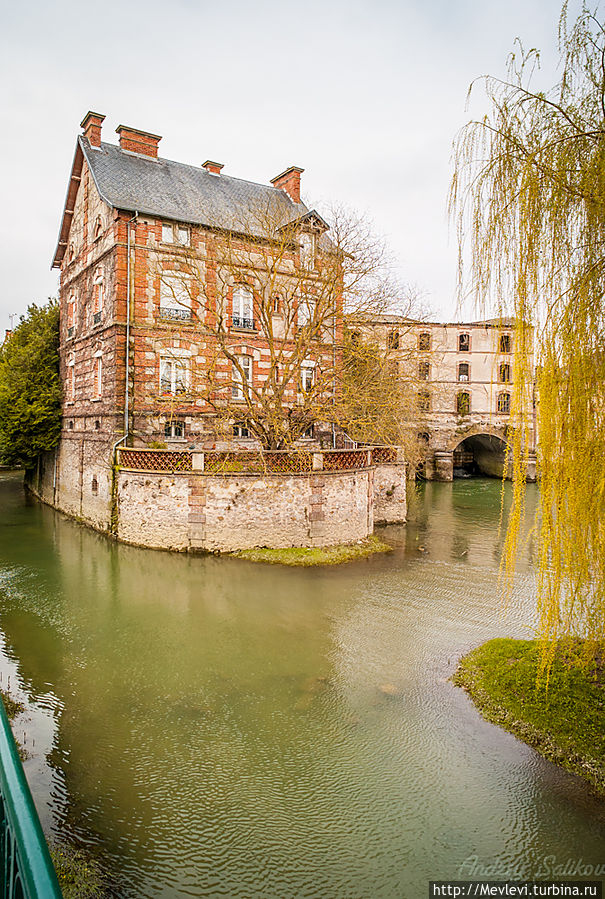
<point>565,723</point>
<point>79,876</point>
<point>315,555</point>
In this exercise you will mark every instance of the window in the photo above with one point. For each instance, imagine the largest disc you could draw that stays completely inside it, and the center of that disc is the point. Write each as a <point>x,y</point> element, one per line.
<point>276,305</point>
<point>307,250</point>
<point>183,235</point>
<point>464,343</point>
<point>424,401</point>
<point>463,403</point>
<point>175,234</point>
<point>97,388</point>
<point>307,376</point>
<point>424,342</point>
<point>70,424</point>
<point>423,437</point>
<point>71,381</point>
<point>393,340</point>
<point>355,337</point>
<point>424,370</point>
<point>240,429</point>
<point>175,296</point>
<point>306,311</point>
<point>242,307</point>
<point>173,376</point>
<point>71,316</point>
<point>504,373</point>
<point>504,403</point>
<point>241,375</point>
<point>97,425</point>
<point>98,298</point>
<point>94,486</point>
<point>464,371</point>
<point>98,228</point>
<point>174,429</point>
<point>167,234</point>
<point>308,434</point>
<point>71,253</point>
<point>505,343</point>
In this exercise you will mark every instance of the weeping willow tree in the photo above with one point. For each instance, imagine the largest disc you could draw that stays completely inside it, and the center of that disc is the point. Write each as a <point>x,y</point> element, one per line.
<point>528,195</point>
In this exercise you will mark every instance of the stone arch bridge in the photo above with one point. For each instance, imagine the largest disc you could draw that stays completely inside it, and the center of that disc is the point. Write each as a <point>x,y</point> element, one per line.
<point>479,448</point>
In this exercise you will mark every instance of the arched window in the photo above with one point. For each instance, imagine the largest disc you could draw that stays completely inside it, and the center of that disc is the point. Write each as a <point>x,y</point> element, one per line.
<point>504,373</point>
<point>98,228</point>
<point>464,343</point>
<point>464,371</point>
<point>505,343</point>
<point>424,342</point>
<point>463,403</point>
<point>71,252</point>
<point>98,296</point>
<point>243,316</point>
<point>393,340</point>
<point>504,403</point>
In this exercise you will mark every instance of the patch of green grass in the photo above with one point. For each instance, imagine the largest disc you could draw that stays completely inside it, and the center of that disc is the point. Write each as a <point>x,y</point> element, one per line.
<point>565,722</point>
<point>79,876</point>
<point>315,555</point>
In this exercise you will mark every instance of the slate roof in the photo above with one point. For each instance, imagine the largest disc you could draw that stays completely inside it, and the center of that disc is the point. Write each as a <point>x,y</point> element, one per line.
<point>185,193</point>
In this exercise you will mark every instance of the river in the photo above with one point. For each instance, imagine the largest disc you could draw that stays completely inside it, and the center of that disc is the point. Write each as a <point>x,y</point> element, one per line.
<point>212,727</point>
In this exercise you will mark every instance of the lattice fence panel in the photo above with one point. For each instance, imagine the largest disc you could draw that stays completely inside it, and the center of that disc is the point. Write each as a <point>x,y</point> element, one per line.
<point>384,454</point>
<point>344,460</point>
<point>155,460</point>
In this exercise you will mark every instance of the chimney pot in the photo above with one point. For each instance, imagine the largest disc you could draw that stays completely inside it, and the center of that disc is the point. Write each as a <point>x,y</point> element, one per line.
<point>91,123</point>
<point>290,182</point>
<point>213,167</point>
<point>137,141</point>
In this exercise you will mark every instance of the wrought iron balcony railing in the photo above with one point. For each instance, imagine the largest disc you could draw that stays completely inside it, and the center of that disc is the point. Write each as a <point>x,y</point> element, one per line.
<point>26,869</point>
<point>239,322</point>
<point>174,314</point>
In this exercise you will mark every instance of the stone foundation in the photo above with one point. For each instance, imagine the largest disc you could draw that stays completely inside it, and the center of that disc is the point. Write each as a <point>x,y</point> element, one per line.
<point>196,511</point>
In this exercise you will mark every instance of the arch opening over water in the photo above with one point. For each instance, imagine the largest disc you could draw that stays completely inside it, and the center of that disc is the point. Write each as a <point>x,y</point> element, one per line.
<point>480,455</point>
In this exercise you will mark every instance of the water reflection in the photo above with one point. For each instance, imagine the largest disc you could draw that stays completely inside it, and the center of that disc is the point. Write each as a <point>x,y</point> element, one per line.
<point>226,729</point>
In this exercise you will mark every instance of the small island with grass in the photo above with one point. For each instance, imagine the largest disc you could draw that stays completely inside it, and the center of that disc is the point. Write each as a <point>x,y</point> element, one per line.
<point>562,717</point>
<point>307,556</point>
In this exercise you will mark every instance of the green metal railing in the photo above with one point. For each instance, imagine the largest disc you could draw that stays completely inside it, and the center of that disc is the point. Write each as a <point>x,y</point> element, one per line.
<point>26,869</point>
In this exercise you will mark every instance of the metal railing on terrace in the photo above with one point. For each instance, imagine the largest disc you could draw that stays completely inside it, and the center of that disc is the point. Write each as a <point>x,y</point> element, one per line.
<point>254,461</point>
<point>26,869</point>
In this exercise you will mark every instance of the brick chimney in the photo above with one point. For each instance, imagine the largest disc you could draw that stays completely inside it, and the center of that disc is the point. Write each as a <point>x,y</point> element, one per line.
<point>138,141</point>
<point>91,123</point>
<point>213,167</point>
<point>290,182</point>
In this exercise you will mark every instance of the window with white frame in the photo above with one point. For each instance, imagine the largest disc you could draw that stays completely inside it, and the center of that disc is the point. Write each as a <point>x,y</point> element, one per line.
<point>174,429</point>
<point>242,374</point>
<point>504,403</point>
<point>241,430</point>
<point>173,376</point>
<point>178,234</point>
<point>307,249</point>
<point>175,296</point>
<point>307,376</point>
<point>243,315</point>
<point>97,387</point>
<point>306,311</point>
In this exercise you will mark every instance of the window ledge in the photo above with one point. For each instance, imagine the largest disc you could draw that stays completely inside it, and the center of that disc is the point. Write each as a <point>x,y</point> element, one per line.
<point>96,399</point>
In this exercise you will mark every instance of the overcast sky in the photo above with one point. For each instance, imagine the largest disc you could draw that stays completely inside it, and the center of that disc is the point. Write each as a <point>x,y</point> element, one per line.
<point>365,96</point>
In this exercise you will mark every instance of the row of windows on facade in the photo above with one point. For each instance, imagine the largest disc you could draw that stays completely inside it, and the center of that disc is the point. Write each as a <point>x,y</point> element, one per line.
<point>463,403</point>
<point>464,371</point>
<point>180,234</point>
<point>174,376</point>
<point>175,304</point>
<point>464,342</point>
<point>175,429</point>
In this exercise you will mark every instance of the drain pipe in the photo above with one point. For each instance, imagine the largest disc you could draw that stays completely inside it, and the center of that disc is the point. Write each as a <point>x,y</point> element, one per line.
<point>127,368</point>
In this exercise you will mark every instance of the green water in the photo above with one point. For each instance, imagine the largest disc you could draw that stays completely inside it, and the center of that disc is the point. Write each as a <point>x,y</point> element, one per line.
<point>211,727</point>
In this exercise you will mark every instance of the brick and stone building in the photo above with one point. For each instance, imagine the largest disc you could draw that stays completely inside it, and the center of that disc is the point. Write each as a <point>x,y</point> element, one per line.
<point>166,326</point>
<point>463,373</point>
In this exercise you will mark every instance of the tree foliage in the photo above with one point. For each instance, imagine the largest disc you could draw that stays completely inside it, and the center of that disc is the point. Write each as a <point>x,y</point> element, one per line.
<point>289,286</point>
<point>529,194</point>
<point>30,387</point>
